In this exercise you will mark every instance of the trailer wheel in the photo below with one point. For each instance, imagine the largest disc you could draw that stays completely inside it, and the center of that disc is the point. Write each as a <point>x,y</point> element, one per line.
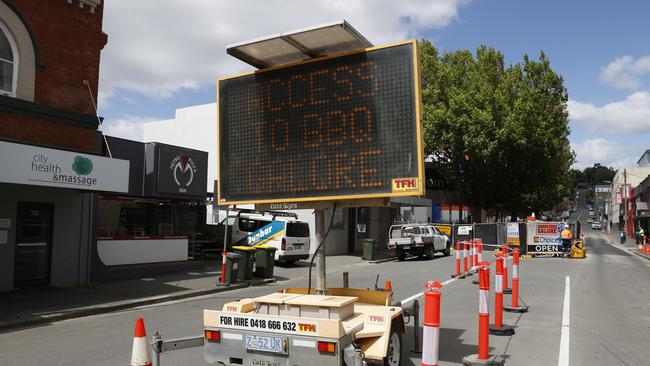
<point>394,354</point>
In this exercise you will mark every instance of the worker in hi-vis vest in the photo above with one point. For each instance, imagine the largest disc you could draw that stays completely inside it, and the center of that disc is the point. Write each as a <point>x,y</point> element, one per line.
<point>566,236</point>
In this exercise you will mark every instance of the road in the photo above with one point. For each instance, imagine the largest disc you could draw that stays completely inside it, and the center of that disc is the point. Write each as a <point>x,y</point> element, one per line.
<point>609,315</point>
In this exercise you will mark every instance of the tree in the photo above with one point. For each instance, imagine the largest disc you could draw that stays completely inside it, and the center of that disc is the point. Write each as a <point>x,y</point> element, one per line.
<point>598,174</point>
<point>501,133</point>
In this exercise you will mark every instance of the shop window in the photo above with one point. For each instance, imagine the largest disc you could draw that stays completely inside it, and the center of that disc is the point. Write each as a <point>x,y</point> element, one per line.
<point>8,63</point>
<point>136,219</point>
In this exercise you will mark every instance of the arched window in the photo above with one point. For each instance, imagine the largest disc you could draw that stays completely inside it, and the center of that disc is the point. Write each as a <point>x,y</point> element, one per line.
<point>8,63</point>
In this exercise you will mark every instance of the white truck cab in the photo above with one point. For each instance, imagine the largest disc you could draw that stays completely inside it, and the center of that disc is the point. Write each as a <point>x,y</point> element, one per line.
<point>417,239</point>
<point>280,230</point>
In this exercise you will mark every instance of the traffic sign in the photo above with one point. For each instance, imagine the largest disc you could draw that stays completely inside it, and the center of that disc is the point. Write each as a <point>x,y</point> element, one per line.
<point>338,127</point>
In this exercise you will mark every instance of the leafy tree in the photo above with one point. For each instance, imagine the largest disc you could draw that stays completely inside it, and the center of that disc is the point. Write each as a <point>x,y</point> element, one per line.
<point>598,174</point>
<point>501,133</point>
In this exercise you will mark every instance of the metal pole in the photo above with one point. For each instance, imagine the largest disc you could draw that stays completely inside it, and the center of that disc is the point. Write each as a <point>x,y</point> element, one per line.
<point>624,193</point>
<point>416,327</point>
<point>156,344</point>
<point>346,280</point>
<point>225,246</point>
<point>321,281</point>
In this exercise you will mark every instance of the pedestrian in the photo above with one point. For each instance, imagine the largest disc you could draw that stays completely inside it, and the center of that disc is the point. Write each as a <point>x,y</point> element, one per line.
<point>640,234</point>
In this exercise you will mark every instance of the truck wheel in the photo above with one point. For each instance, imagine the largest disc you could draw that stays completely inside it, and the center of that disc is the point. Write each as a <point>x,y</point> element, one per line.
<point>394,354</point>
<point>431,251</point>
<point>401,255</point>
<point>447,251</point>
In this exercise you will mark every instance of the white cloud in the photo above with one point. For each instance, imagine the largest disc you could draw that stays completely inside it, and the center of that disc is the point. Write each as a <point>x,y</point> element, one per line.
<point>631,115</point>
<point>625,72</point>
<point>605,152</point>
<point>129,127</point>
<point>159,47</point>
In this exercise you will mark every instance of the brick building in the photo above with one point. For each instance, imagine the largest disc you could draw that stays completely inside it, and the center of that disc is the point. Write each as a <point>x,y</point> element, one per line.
<point>50,166</point>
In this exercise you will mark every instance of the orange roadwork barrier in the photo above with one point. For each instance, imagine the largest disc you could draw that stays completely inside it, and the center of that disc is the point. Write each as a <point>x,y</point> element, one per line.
<point>431,324</point>
<point>515,307</point>
<point>464,256</point>
<point>458,258</point>
<point>483,356</point>
<point>498,328</point>
<point>506,288</point>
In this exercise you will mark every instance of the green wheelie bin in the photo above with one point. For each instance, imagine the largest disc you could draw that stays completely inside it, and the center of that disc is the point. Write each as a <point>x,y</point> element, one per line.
<point>245,270</point>
<point>368,249</point>
<point>264,261</point>
<point>232,266</point>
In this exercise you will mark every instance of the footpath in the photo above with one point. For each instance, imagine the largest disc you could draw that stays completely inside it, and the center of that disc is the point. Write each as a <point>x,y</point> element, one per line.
<point>630,245</point>
<point>42,305</point>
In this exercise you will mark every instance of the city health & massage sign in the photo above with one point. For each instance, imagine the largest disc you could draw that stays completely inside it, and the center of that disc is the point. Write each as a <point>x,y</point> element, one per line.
<point>33,165</point>
<point>340,127</point>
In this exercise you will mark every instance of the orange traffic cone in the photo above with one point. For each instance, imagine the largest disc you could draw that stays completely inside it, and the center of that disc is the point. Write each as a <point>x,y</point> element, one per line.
<point>140,355</point>
<point>389,286</point>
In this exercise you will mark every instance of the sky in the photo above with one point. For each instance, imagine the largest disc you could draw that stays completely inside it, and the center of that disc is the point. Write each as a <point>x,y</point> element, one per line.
<point>166,54</point>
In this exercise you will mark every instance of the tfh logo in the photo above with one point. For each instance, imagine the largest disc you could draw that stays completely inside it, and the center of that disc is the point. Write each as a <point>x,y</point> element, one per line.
<point>376,319</point>
<point>405,184</point>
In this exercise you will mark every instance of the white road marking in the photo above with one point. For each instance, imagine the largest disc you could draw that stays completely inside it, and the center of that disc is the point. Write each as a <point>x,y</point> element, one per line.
<point>563,359</point>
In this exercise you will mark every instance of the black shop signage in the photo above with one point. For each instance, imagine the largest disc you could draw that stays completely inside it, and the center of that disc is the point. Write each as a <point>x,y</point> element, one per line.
<point>181,172</point>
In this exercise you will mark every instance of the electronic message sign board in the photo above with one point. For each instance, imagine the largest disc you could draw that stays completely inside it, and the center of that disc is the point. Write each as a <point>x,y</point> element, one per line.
<point>339,127</point>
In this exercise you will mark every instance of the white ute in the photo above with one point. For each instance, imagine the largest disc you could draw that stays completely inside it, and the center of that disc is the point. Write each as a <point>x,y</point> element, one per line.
<point>417,239</point>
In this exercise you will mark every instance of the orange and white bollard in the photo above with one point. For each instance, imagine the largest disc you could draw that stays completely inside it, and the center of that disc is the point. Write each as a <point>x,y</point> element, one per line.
<point>140,355</point>
<point>647,249</point>
<point>515,307</point>
<point>458,273</point>
<point>464,257</point>
<point>431,324</point>
<point>498,328</point>
<point>478,256</point>
<point>506,288</point>
<point>471,254</point>
<point>483,356</point>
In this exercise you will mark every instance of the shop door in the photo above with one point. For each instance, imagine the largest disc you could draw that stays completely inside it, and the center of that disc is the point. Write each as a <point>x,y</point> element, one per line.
<point>33,244</point>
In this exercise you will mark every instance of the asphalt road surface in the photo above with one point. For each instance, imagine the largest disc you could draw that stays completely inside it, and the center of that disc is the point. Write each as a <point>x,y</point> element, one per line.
<point>608,320</point>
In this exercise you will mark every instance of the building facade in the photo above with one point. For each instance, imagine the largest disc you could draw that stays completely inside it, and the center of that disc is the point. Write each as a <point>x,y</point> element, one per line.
<point>51,162</point>
<point>620,218</point>
<point>158,224</point>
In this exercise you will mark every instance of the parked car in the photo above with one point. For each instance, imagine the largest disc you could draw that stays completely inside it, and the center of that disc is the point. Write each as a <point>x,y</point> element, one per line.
<point>595,226</point>
<point>417,239</point>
